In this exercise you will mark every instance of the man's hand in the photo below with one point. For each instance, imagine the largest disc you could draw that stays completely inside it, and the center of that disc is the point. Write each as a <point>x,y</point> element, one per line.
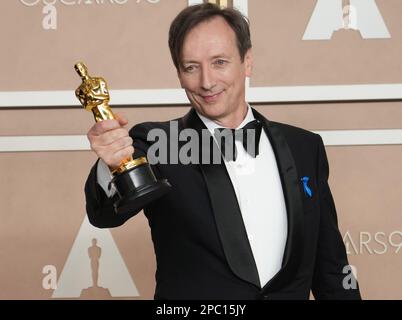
<point>111,141</point>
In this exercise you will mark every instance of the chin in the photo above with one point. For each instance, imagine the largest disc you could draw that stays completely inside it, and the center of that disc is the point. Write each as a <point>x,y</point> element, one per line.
<point>213,111</point>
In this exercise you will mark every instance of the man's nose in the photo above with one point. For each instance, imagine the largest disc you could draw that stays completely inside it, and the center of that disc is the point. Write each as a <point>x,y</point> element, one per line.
<point>207,78</point>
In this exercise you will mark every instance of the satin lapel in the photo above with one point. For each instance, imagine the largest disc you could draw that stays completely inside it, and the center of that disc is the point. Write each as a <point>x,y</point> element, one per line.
<point>227,213</point>
<point>294,206</point>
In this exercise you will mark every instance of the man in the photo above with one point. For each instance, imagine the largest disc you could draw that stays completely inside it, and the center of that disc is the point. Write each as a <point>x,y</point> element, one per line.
<point>260,226</point>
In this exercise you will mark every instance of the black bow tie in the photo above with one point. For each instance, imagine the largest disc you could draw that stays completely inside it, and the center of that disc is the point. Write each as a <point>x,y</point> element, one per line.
<point>249,135</point>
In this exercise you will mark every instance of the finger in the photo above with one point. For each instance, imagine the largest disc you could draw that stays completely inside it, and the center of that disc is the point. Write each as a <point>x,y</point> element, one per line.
<point>121,143</point>
<point>110,137</point>
<point>107,152</point>
<point>121,155</point>
<point>122,119</point>
<point>104,126</point>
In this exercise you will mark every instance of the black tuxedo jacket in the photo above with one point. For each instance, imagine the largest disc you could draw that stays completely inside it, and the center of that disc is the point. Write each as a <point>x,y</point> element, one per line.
<point>201,246</point>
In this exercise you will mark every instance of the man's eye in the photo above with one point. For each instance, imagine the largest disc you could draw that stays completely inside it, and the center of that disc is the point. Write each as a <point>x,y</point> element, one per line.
<point>220,62</point>
<point>189,68</point>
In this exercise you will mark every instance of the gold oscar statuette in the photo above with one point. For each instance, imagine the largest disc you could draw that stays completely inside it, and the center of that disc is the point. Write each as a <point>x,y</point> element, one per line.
<point>134,180</point>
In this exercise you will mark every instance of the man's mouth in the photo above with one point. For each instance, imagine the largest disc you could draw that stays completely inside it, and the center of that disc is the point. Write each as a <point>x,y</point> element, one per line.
<point>211,98</point>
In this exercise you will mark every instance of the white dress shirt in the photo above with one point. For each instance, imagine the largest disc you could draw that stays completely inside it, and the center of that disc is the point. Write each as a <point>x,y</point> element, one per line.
<point>258,189</point>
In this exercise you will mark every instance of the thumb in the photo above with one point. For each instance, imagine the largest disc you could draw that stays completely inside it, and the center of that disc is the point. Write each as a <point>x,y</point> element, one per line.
<point>122,119</point>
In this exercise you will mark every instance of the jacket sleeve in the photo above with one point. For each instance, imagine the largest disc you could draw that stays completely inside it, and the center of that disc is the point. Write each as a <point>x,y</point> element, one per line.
<point>99,207</point>
<point>331,260</point>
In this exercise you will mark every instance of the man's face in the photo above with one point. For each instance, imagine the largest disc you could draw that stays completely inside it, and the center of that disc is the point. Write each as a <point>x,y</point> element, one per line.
<point>211,70</point>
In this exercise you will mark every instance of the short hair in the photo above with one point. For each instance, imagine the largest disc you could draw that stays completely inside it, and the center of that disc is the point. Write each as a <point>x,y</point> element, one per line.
<point>192,16</point>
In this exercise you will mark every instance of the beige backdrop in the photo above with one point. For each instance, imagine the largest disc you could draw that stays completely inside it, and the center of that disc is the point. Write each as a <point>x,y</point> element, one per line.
<point>42,201</point>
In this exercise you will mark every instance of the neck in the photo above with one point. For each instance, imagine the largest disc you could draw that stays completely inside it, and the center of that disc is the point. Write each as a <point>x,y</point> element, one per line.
<point>234,119</point>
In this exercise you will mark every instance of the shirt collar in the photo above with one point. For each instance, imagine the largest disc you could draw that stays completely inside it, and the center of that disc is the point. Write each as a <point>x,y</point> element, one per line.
<point>212,125</point>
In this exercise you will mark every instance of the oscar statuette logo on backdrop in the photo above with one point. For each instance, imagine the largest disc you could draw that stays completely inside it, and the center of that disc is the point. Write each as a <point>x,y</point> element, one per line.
<point>329,17</point>
<point>94,269</point>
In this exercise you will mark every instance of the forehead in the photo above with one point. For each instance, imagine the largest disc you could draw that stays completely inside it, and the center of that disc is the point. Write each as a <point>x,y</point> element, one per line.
<point>214,36</point>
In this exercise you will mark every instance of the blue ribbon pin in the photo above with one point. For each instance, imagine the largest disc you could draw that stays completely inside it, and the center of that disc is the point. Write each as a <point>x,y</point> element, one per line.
<point>306,188</point>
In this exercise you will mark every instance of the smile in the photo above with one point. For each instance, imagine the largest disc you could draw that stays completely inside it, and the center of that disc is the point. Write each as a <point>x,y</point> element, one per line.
<point>212,98</point>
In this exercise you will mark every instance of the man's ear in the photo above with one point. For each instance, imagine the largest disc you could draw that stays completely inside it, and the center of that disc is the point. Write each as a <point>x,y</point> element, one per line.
<point>249,63</point>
